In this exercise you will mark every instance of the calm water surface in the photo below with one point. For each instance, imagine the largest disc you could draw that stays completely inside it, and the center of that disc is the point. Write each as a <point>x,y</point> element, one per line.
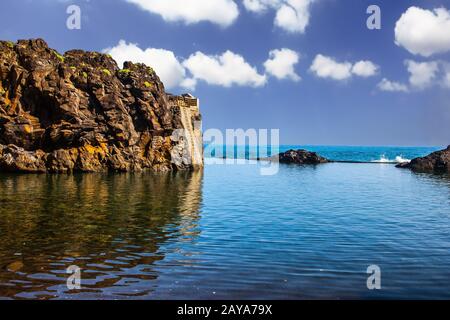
<point>227,232</point>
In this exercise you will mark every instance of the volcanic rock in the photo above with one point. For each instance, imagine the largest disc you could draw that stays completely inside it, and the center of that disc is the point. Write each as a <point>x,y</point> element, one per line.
<point>436,162</point>
<point>298,157</point>
<point>79,112</point>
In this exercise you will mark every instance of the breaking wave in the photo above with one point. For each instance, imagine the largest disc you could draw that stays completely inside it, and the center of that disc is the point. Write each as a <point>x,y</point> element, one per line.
<point>398,159</point>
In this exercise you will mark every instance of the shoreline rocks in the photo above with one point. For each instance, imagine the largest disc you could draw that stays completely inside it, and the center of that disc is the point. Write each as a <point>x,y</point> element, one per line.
<point>298,157</point>
<point>79,112</point>
<point>436,162</point>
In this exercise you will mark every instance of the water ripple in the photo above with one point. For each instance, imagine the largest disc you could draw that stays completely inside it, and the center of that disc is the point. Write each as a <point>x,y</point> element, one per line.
<point>307,232</point>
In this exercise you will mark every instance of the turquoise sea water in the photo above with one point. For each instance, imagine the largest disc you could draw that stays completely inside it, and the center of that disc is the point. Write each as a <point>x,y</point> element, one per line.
<point>336,153</point>
<point>227,232</point>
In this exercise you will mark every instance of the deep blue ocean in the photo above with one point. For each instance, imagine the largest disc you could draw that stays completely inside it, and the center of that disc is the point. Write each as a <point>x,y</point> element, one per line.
<point>228,232</point>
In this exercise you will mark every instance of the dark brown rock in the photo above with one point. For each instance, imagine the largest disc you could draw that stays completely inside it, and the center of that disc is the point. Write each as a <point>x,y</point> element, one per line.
<point>299,157</point>
<point>81,112</point>
<point>436,162</point>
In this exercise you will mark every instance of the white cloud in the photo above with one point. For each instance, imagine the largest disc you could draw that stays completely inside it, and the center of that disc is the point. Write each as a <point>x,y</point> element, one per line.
<point>164,62</point>
<point>189,83</point>
<point>291,15</point>
<point>221,12</point>
<point>327,67</point>
<point>446,79</point>
<point>392,86</point>
<point>259,6</point>
<point>423,31</point>
<point>224,70</point>
<point>281,64</point>
<point>422,74</point>
<point>365,68</point>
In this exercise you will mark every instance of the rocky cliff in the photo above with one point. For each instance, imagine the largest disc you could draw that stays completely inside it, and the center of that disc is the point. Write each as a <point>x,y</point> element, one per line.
<point>436,162</point>
<point>81,112</point>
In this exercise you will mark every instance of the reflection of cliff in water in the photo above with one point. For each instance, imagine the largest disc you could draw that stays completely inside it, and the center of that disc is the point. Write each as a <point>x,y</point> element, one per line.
<point>114,227</point>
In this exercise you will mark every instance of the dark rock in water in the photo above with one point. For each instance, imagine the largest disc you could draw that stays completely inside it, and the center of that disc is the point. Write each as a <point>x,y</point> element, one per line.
<point>437,162</point>
<point>298,157</point>
<point>80,112</point>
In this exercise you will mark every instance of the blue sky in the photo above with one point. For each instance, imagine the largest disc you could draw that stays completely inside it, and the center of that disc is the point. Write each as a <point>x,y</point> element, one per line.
<point>405,100</point>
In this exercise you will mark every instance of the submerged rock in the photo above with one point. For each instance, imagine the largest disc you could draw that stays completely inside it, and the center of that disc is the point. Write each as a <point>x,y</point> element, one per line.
<point>298,157</point>
<point>436,162</point>
<point>80,112</point>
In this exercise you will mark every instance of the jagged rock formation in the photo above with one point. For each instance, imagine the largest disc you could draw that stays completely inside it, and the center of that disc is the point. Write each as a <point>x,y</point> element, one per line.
<point>436,162</point>
<point>298,157</point>
<point>80,112</point>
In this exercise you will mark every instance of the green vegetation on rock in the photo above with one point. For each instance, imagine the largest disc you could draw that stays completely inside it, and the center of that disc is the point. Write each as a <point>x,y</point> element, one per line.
<point>60,57</point>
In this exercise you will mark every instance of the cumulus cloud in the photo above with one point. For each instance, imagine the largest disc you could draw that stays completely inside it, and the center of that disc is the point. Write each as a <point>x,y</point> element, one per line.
<point>291,15</point>
<point>446,78</point>
<point>328,67</point>
<point>281,64</point>
<point>227,69</point>
<point>221,12</point>
<point>392,86</point>
<point>365,68</point>
<point>422,74</point>
<point>424,32</point>
<point>164,62</point>
<point>224,70</point>
<point>189,83</point>
<point>259,6</point>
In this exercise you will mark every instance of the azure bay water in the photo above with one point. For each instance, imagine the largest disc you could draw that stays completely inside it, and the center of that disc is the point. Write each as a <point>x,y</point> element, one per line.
<point>336,153</point>
<point>308,232</point>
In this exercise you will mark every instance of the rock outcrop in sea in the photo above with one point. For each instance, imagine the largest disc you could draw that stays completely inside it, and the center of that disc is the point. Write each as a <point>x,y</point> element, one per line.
<point>79,112</point>
<point>298,157</point>
<point>436,162</point>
